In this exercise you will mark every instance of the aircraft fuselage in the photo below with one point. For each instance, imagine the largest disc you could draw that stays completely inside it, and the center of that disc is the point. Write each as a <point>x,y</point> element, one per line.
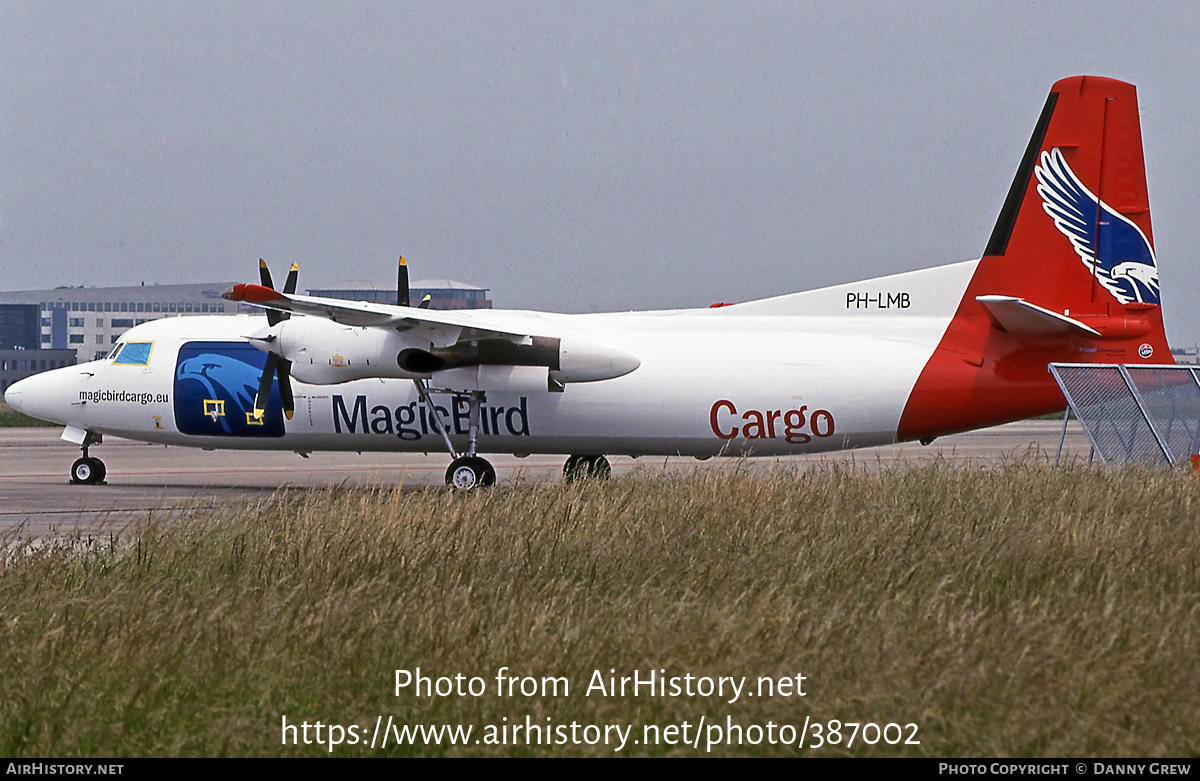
<point>709,382</point>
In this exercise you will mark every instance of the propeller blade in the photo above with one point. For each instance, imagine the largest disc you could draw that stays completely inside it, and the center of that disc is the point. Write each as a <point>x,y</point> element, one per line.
<point>264,276</point>
<point>425,302</point>
<point>264,386</point>
<point>289,285</point>
<point>285,387</point>
<point>402,283</point>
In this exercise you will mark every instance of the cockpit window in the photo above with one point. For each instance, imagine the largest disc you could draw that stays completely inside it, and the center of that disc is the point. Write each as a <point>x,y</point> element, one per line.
<point>113,352</point>
<point>134,354</point>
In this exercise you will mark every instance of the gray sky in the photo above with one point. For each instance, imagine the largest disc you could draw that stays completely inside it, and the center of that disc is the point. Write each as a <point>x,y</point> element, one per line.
<point>570,156</point>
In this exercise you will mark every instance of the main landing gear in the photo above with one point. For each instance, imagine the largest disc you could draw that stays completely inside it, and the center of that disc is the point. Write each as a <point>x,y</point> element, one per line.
<point>586,468</point>
<point>467,471</point>
<point>88,470</point>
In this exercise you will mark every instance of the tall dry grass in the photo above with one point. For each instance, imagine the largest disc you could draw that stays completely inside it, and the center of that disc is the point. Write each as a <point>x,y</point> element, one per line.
<point>1013,611</point>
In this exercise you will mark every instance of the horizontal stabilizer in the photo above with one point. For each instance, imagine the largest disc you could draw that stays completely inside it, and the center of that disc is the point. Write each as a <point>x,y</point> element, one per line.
<point>1018,316</point>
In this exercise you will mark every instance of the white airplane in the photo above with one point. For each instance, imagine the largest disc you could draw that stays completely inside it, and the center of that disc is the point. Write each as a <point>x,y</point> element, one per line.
<point>1069,274</point>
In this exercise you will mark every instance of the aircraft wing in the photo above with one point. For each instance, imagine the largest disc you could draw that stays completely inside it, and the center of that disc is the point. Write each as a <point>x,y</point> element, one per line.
<point>441,328</point>
<point>461,338</point>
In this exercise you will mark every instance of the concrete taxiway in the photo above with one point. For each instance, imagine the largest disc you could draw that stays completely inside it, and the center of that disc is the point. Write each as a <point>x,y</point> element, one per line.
<point>37,499</point>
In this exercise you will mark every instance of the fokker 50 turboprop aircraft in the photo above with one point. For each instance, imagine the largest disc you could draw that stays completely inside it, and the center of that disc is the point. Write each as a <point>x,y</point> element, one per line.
<point>1069,274</point>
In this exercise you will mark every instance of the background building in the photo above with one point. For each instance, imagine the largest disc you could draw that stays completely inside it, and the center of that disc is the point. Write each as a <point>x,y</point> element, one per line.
<point>20,342</point>
<point>1188,355</point>
<point>20,327</point>
<point>443,293</point>
<point>89,320</point>
<point>19,364</point>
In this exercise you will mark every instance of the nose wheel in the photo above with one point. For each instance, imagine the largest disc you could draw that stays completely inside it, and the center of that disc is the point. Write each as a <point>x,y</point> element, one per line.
<point>88,471</point>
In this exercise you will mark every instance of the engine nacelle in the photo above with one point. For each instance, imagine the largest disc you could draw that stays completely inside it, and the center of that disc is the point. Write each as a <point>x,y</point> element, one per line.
<point>323,352</point>
<point>580,360</point>
<point>561,361</point>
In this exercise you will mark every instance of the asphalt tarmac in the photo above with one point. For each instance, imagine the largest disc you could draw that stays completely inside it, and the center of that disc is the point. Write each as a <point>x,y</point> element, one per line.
<point>38,501</point>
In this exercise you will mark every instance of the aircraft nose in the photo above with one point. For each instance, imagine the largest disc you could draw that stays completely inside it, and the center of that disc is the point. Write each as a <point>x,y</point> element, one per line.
<point>45,396</point>
<point>14,396</point>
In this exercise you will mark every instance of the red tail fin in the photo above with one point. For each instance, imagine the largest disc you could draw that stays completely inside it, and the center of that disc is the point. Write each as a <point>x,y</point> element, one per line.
<point>1069,273</point>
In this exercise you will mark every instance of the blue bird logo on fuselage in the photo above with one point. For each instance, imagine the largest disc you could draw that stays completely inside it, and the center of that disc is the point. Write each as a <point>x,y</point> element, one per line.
<point>221,377</point>
<point>215,386</point>
<point>1109,244</point>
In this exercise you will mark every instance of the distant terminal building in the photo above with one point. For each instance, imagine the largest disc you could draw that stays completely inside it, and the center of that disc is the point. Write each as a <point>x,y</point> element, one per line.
<point>443,293</point>
<point>1186,355</point>
<point>20,342</point>
<point>89,320</point>
<point>20,327</point>
<point>19,364</point>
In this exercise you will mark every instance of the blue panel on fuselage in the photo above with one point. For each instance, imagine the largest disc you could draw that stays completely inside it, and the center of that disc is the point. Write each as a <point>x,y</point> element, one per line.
<point>215,384</point>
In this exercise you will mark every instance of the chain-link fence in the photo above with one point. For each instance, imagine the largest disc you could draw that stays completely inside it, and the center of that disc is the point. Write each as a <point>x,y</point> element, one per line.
<point>1134,414</point>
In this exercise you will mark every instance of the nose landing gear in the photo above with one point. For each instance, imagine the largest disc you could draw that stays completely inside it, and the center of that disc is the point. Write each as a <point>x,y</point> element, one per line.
<point>88,470</point>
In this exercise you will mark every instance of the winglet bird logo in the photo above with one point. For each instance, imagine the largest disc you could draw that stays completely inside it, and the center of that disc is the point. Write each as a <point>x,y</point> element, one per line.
<point>1115,250</point>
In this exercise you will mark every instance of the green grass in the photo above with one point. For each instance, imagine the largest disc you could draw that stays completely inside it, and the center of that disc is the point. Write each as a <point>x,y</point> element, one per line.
<point>1018,611</point>
<point>10,418</point>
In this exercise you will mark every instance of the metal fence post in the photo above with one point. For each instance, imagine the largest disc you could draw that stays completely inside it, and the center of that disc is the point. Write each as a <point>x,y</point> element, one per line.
<point>1137,399</point>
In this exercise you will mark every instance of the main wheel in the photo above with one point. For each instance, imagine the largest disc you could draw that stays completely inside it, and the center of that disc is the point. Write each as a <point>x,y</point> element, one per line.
<point>468,472</point>
<point>87,471</point>
<point>586,468</point>
<point>599,468</point>
<point>574,469</point>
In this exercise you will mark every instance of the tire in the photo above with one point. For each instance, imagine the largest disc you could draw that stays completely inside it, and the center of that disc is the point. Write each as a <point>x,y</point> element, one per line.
<point>470,472</point>
<point>489,473</point>
<point>586,468</point>
<point>574,469</point>
<point>599,468</point>
<point>85,472</point>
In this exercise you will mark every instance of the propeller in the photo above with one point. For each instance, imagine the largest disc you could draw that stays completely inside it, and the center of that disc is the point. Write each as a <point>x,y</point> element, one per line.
<point>289,286</point>
<point>276,365</point>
